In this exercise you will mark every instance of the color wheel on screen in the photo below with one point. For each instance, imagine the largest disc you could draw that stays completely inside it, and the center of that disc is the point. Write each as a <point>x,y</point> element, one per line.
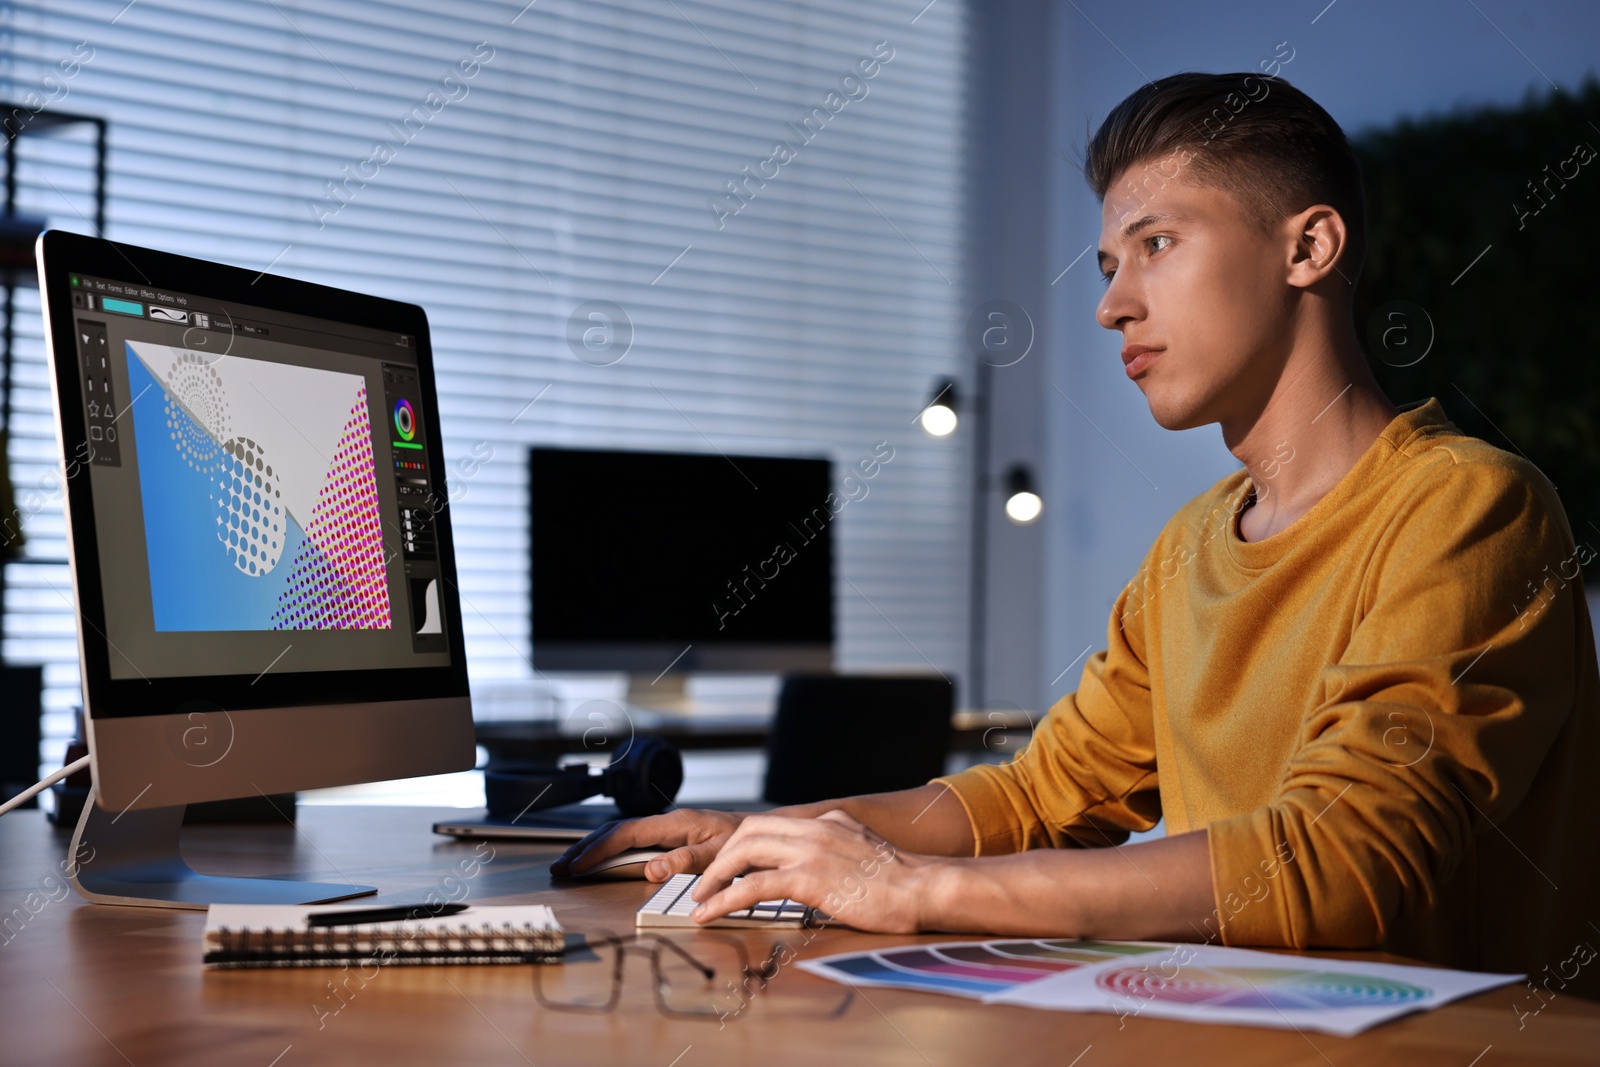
<point>1260,987</point>
<point>405,420</point>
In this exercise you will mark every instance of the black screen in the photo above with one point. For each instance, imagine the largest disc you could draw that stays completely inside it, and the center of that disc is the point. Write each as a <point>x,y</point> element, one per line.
<point>651,547</point>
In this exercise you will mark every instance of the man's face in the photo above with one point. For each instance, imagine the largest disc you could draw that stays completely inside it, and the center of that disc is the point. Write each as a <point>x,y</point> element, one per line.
<point>1193,277</point>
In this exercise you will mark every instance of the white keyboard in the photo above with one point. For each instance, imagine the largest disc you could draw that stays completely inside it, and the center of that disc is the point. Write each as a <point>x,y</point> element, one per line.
<point>672,903</point>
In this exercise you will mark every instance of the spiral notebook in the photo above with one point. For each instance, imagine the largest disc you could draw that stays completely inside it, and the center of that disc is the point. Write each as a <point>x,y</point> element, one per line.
<point>279,935</point>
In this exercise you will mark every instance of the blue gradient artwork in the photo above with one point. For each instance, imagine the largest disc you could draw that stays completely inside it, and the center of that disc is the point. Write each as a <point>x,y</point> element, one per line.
<point>193,538</point>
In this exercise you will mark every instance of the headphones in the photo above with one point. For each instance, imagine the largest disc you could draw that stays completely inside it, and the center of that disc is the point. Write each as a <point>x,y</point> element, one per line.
<point>643,782</point>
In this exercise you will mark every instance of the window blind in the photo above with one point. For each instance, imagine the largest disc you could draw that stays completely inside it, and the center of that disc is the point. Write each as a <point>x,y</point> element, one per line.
<point>770,192</point>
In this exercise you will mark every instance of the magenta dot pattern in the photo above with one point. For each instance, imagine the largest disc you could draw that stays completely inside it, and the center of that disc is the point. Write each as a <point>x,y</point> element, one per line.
<point>337,581</point>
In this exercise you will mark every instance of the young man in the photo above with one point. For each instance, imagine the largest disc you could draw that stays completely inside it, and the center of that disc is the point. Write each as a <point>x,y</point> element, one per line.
<point>1344,674</point>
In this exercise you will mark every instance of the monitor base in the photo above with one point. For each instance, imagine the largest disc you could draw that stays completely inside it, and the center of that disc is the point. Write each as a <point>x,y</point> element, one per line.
<point>132,858</point>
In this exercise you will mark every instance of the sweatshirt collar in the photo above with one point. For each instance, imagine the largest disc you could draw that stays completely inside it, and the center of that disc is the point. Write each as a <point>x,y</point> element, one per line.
<point>1414,417</point>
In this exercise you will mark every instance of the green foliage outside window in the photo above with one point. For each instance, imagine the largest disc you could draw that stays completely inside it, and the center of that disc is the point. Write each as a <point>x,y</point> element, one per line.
<point>1509,342</point>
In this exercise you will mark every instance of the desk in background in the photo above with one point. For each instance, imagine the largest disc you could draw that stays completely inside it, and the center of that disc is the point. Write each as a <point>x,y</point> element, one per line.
<point>997,734</point>
<point>85,985</point>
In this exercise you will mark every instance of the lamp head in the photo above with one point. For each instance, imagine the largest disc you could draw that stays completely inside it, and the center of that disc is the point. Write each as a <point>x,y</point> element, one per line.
<point>1023,505</point>
<point>939,417</point>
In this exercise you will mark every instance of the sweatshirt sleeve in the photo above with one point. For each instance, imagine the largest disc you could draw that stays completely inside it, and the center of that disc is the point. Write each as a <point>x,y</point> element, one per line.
<point>1437,716</point>
<point>1088,776</point>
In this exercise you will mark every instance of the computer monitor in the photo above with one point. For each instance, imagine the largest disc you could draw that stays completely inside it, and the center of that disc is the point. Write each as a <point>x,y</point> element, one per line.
<point>260,550</point>
<point>663,563</point>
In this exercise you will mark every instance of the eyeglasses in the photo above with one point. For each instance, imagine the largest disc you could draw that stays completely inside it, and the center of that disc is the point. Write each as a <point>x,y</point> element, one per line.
<point>708,976</point>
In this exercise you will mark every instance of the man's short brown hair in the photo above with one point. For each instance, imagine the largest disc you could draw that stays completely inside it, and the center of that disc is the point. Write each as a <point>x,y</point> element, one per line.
<point>1258,138</point>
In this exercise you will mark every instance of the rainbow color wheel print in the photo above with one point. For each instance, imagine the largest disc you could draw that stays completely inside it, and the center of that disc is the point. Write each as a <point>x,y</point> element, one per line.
<point>970,968</point>
<point>1195,983</point>
<point>1260,987</point>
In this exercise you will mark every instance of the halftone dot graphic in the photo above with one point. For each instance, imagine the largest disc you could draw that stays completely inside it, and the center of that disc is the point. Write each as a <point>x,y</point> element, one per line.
<point>195,390</point>
<point>1259,987</point>
<point>196,407</point>
<point>249,501</point>
<point>338,580</point>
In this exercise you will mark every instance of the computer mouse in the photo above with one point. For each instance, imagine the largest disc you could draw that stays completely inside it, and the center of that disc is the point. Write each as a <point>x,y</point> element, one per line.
<point>626,864</point>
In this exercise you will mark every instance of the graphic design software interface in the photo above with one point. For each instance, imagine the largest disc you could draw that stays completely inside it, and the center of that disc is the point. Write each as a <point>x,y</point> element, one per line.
<point>261,487</point>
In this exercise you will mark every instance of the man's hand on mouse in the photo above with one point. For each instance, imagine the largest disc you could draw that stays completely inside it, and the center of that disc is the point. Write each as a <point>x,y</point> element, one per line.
<point>693,835</point>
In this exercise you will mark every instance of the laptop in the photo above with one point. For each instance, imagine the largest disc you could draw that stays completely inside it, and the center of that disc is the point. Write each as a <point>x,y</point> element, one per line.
<point>569,823</point>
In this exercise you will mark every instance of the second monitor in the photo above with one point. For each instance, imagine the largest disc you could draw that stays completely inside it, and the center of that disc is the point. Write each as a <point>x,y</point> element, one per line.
<point>659,563</point>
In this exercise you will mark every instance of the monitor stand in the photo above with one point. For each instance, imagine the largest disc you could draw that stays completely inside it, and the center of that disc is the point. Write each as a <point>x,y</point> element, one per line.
<point>132,858</point>
<point>660,692</point>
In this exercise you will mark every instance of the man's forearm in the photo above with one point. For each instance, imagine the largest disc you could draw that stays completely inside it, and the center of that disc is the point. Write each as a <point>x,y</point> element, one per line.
<point>1155,890</point>
<point>929,820</point>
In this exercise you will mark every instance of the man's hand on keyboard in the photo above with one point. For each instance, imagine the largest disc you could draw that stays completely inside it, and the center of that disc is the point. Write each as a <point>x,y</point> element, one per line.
<point>693,835</point>
<point>830,862</point>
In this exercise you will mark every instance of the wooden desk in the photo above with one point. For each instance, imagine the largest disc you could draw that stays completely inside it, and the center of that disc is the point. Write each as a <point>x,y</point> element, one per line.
<point>84,984</point>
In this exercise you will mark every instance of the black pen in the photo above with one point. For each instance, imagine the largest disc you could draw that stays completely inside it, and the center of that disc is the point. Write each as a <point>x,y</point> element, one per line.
<point>383,915</point>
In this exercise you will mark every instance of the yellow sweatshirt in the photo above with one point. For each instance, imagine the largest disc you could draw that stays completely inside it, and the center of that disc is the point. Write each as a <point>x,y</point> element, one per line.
<point>1387,714</point>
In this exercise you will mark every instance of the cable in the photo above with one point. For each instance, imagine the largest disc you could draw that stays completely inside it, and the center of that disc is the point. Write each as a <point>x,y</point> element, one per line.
<point>21,798</point>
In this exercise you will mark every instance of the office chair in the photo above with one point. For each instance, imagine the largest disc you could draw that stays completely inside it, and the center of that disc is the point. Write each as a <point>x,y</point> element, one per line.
<point>838,735</point>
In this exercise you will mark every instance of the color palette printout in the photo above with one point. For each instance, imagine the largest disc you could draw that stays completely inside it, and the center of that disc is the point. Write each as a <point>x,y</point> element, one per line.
<point>1196,983</point>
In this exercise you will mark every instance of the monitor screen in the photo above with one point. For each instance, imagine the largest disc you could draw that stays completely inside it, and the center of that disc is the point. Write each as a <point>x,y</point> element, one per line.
<point>262,494</point>
<point>260,545</point>
<point>639,558</point>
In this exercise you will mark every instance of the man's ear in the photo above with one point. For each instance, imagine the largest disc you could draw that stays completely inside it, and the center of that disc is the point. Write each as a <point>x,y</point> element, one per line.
<point>1320,241</point>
